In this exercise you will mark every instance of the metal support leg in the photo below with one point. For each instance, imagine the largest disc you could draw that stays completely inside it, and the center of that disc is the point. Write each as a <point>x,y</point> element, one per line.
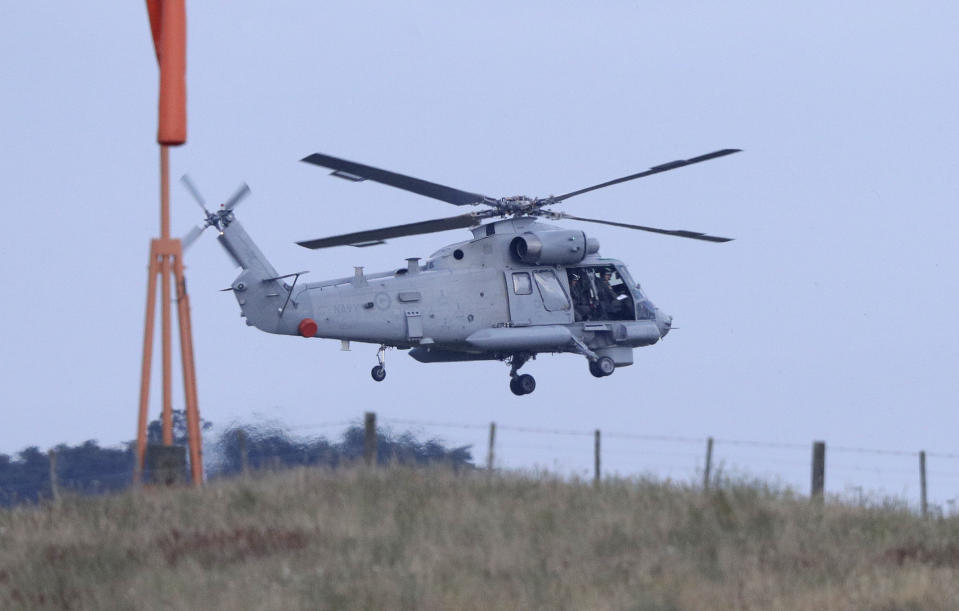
<point>379,372</point>
<point>581,348</point>
<point>515,362</point>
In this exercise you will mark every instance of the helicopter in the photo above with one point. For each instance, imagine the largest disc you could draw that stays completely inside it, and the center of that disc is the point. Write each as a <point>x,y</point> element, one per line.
<point>519,287</point>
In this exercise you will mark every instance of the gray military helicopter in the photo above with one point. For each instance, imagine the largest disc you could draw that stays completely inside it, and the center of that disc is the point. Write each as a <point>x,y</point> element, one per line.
<point>518,288</point>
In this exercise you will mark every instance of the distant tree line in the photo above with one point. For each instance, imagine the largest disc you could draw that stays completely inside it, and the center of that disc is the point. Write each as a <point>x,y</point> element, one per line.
<point>88,468</point>
<point>267,448</point>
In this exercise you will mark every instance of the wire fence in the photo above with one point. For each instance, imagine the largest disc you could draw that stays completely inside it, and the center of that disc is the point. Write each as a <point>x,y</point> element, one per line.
<point>857,474</point>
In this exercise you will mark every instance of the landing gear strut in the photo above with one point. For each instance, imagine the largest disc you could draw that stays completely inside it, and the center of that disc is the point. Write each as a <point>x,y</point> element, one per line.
<point>599,366</point>
<point>520,384</point>
<point>379,372</point>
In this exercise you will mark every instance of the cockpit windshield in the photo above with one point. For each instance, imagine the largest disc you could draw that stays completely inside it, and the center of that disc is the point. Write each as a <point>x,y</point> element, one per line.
<point>645,310</point>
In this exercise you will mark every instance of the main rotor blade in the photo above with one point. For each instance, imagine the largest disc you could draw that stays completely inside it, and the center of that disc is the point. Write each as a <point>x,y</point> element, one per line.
<point>237,197</point>
<point>681,233</point>
<point>358,171</point>
<point>188,183</point>
<point>377,236</point>
<point>672,165</point>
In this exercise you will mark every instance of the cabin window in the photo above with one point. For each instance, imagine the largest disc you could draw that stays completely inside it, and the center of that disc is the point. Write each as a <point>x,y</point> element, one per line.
<point>522,284</point>
<point>554,298</point>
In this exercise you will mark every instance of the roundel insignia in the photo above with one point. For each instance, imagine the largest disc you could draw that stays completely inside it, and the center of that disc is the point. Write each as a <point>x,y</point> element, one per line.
<point>382,301</point>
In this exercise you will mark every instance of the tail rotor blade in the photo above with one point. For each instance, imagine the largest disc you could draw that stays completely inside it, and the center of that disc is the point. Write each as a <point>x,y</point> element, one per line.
<point>237,197</point>
<point>191,236</point>
<point>188,183</point>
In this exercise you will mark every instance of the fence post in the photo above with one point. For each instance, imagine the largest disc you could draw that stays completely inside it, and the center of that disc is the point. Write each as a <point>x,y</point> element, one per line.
<point>492,441</point>
<point>709,462</point>
<point>369,440</point>
<point>818,469</point>
<point>922,483</point>
<point>241,441</point>
<point>54,485</point>
<point>596,459</point>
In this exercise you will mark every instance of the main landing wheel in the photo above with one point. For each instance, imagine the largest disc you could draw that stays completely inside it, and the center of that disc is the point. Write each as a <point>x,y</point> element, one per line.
<point>602,367</point>
<point>378,373</point>
<point>522,385</point>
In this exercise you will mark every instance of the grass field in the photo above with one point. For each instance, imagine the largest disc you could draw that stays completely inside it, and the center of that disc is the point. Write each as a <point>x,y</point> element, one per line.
<point>403,538</point>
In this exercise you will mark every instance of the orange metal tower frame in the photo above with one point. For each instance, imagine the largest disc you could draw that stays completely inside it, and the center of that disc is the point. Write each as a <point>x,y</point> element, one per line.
<point>168,26</point>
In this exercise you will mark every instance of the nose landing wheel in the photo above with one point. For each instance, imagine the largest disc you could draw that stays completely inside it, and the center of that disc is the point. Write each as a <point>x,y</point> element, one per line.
<point>378,373</point>
<point>602,367</point>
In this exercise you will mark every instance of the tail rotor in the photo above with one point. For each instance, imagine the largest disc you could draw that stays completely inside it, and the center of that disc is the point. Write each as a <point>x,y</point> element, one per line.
<point>217,219</point>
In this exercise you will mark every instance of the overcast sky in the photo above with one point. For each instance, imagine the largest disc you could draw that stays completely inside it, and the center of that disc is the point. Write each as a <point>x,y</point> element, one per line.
<point>832,316</point>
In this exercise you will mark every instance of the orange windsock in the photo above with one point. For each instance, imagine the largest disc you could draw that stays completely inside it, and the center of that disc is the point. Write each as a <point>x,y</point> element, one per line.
<point>168,25</point>
<point>153,10</point>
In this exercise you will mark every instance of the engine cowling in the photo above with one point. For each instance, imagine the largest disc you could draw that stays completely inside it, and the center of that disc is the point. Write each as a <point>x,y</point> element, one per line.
<point>552,247</point>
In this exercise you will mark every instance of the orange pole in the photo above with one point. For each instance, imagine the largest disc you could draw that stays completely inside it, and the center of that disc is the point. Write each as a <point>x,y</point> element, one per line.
<point>189,371</point>
<point>164,192</point>
<point>165,297</point>
<point>193,410</point>
<point>153,270</point>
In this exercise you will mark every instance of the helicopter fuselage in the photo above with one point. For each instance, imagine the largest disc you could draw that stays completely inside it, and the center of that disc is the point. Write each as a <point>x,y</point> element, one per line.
<point>486,298</point>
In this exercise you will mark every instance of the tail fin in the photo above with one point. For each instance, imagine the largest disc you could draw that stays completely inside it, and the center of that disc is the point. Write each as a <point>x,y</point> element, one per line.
<point>240,247</point>
<point>261,294</point>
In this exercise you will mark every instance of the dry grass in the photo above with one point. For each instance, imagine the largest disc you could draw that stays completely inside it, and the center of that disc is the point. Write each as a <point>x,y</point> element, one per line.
<point>431,539</point>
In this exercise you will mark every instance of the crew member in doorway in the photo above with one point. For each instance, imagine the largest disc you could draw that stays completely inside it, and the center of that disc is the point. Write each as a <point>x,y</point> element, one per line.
<point>579,291</point>
<point>609,302</point>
